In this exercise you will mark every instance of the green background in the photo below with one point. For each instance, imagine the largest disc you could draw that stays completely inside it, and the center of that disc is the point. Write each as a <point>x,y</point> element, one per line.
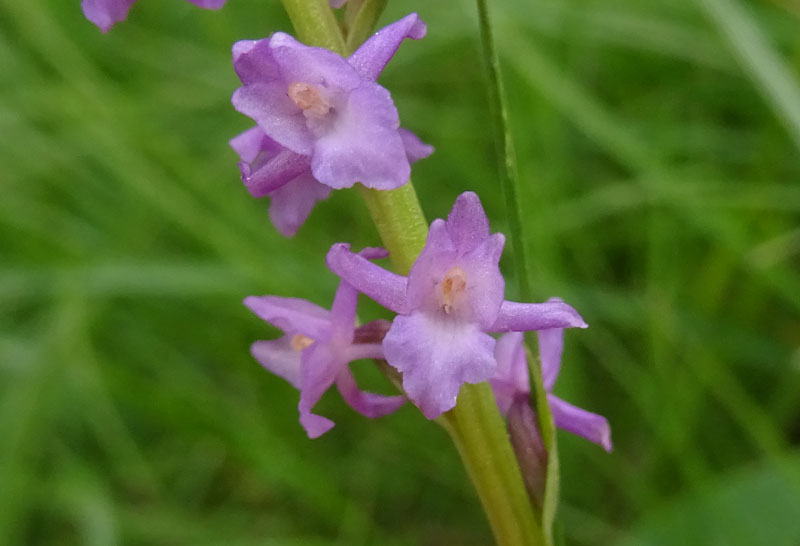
<point>658,148</point>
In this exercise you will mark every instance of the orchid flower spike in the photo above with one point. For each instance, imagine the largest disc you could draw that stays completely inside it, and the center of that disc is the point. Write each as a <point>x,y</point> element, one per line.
<point>327,113</point>
<point>105,13</point>
<point>316,349</point>
<point>450,301</point>
<point>511,384</point>
<point>269,169</point>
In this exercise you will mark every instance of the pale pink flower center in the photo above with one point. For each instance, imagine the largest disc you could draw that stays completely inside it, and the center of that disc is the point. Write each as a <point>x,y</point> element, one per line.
<point>453,288</point>
<point>309,99</point>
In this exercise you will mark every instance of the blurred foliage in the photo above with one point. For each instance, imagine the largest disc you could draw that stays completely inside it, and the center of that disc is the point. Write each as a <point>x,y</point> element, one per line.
<point>658,146</point>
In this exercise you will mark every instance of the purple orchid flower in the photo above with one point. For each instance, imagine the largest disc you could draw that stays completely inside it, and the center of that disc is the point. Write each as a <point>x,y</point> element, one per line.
<point>451,299</point>
<point>511,384</point>
<point>105,13</point>
<point>324,110</point>
<point>316,349</point>
<point>269,169</point>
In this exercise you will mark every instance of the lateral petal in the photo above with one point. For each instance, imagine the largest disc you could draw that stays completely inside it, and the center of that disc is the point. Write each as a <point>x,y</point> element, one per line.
<point>591,426</point>
<point>385,287</point>
<point>370,59</point>
<point>524,317</point>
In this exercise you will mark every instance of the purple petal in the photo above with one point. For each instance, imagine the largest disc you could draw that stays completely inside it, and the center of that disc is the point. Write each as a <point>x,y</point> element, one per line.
<point>437,257</point>
<point>366,351</point>
<point>279,357</point>
<point>292,315</point>
<point>480,297</point>
<point>291,204</point>
<point>281,119</point>
<point>104,13</point>
<point>266,165</point>
<point>415,148</point>
<point>436,357</point>
<point>366,403</point>
<point>253,62</point>
<point>485,283</point>
<point>591,426</point>
<point>385,287</point>
<point>208,4</point>
<point>335,4</point>
<point>343,310</point>
<point>362,144</point>
<point>269,177</point>
<point>370,59</point>
<point>319,368</point>
<point>510,380</point>
<point>373,253</point>
<point>317,66</point>
<point>252,142</point>
<point>467,223</point>
<point>523,317</point>
<point>551,345</point>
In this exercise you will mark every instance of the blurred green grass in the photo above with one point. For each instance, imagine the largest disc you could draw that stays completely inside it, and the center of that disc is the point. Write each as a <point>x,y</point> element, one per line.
<point>658,144</point>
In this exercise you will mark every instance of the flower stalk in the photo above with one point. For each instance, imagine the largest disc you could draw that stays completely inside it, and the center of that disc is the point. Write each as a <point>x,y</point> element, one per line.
<point>474,424</point>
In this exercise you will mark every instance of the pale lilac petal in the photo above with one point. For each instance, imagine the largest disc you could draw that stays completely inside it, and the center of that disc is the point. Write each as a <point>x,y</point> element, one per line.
<point>415,148</point>
<point>437,257</point>
<point>252,142</point>
<point>292,315</point>
<point>591,426</point>
<point>253,62</point>
<point>510,380</point>
<point>291,204</point>
<point>104,13</point>
<point>363,144</point>
<point>343,310</point>
<point>336,4</point>
<point>436,357</point>
<point>485,283</point>
<point>279,357</point>
<point>467,223</point>
<point>269,177</point>
<point>373,253</point>
<point>208,4</point>
<point>315,425</point>
<point>281,119</point>
<point>366,403</point>
<point>481,299</point>
<point>318,370</point>
<point>312,65</point>
<point>523,317</point>
<point>551,345</point>
<point>266,165</point>
<point>385,287</point>
<point>370,59</point>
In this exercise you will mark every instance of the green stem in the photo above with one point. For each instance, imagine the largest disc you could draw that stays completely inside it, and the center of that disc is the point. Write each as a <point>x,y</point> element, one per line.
<point>480,436</point>
<point>315,24</point>
<point>474,424</point>
<point>400,222</point>
<point>364,22</point>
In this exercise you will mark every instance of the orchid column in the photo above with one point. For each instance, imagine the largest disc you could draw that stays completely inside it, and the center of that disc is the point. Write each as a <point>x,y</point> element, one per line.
<point>474,424</point>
